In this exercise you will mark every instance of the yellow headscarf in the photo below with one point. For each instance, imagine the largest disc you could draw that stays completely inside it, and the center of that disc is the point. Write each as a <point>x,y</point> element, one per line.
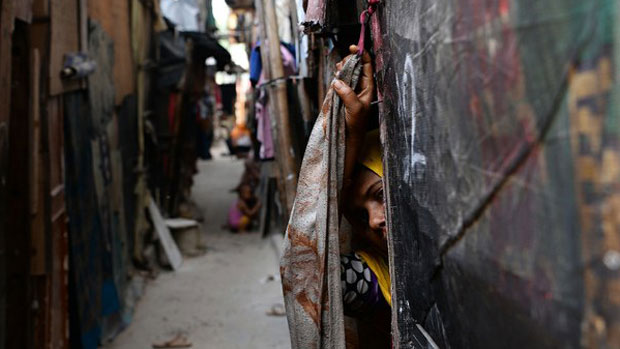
<point>370,157</point>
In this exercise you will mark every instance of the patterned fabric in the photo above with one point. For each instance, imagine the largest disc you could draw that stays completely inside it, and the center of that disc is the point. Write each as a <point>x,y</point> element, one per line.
<point>310,264</point>
<point>360,287</point>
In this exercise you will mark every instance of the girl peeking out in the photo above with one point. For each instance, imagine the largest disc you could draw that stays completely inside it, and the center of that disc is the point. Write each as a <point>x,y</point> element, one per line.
<point>364,273</point>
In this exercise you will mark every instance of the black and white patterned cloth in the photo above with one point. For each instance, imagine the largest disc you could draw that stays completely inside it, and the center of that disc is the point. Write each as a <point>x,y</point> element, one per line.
<point>360,288</point>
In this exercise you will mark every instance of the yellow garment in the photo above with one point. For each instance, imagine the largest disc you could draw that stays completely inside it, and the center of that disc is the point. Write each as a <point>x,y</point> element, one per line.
<point>370,155</point>
<point>382,271</point>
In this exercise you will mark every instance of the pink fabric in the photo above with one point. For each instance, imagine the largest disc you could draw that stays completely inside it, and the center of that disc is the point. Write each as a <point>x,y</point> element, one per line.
<point>315,13</point>
<point>234,215</point>
<point>263,117</point>
<point>263,132</point>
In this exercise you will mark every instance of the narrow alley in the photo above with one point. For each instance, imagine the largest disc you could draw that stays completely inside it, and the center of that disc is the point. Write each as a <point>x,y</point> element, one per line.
<point>295,174</point>
<point>222,298</point>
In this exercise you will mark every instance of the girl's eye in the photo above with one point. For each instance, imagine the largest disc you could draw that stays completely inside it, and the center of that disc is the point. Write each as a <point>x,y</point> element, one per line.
<point>380,195</point>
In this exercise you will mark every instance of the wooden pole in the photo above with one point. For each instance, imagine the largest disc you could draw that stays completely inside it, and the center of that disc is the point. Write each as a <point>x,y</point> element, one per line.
<point>264,51</point>
<point>285,154</point>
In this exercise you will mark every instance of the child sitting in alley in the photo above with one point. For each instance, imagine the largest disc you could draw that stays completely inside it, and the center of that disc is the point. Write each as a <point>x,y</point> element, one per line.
<point>244,210</point>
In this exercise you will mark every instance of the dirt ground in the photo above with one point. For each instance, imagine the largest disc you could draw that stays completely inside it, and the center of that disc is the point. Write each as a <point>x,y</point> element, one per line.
<point>218,300</point>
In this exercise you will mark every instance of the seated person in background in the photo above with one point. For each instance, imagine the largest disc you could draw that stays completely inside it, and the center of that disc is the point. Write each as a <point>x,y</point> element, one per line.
<point>365,274</point>
<point>244,210</point>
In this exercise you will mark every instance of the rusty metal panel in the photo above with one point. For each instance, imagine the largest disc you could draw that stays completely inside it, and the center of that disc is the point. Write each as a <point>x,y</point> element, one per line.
<point>501,140</point>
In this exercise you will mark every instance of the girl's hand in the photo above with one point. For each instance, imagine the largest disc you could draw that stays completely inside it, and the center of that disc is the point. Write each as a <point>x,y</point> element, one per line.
<point>357,106</point>
<point>357,103</point>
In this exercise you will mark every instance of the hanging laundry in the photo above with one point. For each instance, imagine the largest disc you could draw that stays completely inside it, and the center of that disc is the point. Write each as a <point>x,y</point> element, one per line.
<point>261,108</point>
<point>256,63</point>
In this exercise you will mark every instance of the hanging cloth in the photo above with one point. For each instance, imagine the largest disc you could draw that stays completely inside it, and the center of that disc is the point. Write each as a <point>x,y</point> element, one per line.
<point>310,264</point>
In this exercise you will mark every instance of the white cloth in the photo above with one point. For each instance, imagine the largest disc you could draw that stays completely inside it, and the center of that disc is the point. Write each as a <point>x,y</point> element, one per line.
<point>183,13</point>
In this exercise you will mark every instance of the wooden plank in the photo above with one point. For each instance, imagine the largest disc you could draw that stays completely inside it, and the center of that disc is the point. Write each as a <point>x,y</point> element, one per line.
<point>113,16</point>
<point>35,129</point>
<point>23,10</point>
<point>55,144</point>
<point>142,27</point>
<point>6,31</point>
<point>40,321</point>
<point>65,30</point>
<point>19,329</point>
<point>39,171</point>
<point>83,20</point>
<point>165,238</point>
<point>58,291</point>
<point>181,223</point>
<point>39,244</point>
<point>58,321</point>
<point>37,211</point>
<point>41,9</point>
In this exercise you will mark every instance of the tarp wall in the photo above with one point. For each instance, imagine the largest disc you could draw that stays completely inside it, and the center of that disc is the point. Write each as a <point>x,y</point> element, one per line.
<point>502,152</point>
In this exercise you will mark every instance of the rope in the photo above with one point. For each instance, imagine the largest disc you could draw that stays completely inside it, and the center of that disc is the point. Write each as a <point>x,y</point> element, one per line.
<point>364,18</point>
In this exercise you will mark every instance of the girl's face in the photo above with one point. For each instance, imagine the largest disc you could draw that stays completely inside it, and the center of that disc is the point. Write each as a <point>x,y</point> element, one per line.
<point>364,208</point>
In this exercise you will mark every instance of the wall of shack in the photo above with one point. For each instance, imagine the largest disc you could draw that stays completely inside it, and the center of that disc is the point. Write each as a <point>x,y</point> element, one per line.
<point>502,147</point>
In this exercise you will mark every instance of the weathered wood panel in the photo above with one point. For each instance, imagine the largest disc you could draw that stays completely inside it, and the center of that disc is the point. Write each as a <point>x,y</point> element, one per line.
<point>23,10</point>
<point>501,145</point>
<point>40,9</point>
<point>58,323</point>
<point>113,16</point>
<point>37,174</point>
<point>64,17</point>
<point>86,241</point>
<point>19,330</point>
<point>6,28</point>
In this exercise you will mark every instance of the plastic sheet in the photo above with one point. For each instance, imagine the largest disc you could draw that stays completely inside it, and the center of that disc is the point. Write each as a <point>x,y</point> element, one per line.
<point>502,147</point>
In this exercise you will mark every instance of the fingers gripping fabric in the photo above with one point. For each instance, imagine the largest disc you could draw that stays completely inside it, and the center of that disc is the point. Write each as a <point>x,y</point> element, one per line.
<point>310,264</point>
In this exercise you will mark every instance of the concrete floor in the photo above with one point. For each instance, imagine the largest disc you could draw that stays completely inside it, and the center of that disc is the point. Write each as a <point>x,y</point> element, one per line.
<point>218,300</point>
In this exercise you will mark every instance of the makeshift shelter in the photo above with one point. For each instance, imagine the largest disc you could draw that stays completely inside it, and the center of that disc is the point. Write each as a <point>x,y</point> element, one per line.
<point>76,90</point>
<point>501,144</point>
